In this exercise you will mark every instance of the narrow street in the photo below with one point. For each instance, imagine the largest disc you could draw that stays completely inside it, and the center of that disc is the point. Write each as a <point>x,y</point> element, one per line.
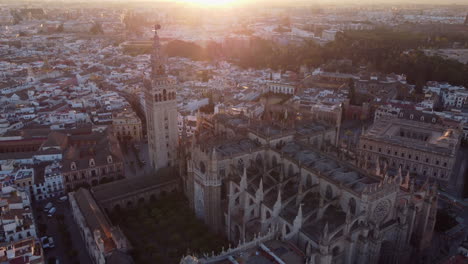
<point>61,250</point>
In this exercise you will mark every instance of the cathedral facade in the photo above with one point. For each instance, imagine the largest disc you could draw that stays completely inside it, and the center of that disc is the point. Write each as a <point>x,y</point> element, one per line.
<point>161,111</point>
<point>245,179</point>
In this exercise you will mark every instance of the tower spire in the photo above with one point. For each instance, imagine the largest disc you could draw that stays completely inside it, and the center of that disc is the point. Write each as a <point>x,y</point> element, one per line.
<point>157,66</point>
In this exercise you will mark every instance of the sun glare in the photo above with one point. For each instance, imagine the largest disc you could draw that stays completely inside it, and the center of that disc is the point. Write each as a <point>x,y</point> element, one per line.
<point>210,2</point>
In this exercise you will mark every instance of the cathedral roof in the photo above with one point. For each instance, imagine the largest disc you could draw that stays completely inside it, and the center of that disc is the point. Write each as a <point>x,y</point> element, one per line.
<point>229,147</point>
<point>333,169</point>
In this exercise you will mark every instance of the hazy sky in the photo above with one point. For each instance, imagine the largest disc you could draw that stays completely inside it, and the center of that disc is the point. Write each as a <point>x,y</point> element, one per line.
<point>438,2</point>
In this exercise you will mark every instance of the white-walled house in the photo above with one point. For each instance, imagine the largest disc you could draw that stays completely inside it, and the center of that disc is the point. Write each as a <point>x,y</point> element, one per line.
<point>16,220</point>
<point>51,184</point>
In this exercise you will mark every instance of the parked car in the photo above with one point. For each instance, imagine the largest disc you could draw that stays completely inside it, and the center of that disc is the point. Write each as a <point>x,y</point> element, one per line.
<point>52,212</point>
<point>48,206</point>
<point>44,242</point>
<point>51,242</point>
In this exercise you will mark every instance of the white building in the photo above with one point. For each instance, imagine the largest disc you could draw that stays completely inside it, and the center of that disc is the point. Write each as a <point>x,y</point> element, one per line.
<point>17,221</point>
<point>329,35</point>
<point>283,88</point>
<point>454,98</point>
<point>51,185</point>
<point>387,110</point>
<point>188,122</point>
<point>68,117</point>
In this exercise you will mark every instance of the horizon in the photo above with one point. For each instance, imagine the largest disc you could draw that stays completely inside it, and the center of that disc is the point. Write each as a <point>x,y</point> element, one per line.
<point>234,3</point>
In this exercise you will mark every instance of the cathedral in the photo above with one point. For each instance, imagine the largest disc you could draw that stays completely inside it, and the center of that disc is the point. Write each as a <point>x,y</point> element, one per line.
<point>247,178</point>
<point>284,177</point>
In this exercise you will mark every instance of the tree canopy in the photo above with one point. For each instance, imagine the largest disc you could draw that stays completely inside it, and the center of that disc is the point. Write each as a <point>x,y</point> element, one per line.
<point>383,50</point>
<point>96,29</point>
<point>164,230</point>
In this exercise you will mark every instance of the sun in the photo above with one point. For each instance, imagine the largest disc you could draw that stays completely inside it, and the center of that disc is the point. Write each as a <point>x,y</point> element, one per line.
<point>210,2</point>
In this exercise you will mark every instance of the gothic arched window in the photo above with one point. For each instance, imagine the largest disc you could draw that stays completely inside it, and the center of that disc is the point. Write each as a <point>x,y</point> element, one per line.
<point>273,161</point>
<point>290,170</point>
<point>164,95</point>
<point>202,167</point>
<point>352,206</point>
<point>336,251</point>
<point>259,160</point>
<point>156,98</point>
<point>240,164</point>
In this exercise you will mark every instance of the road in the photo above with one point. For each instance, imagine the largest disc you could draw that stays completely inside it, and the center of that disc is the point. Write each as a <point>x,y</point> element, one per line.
<point>60,250</point>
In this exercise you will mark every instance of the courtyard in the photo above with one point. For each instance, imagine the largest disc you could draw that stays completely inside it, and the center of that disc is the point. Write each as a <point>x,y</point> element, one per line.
<point>164,230</point>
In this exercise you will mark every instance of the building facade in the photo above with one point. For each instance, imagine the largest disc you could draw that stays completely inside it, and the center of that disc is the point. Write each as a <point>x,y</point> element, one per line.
<point>17,221</point>
<point>161,111</point>
<point>103,241</point>
<point>24,179</point>
<point>386,110</point>
<point>424,149</point>
<point>455,99</point>
<point>27,251</point>
<point>92,159</point>
<point>281,88</point>
<point>51,184</point>
<point>127,126</point>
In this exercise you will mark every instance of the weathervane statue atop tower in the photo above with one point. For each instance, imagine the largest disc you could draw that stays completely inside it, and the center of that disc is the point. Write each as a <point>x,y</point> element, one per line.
<point>157,67</point>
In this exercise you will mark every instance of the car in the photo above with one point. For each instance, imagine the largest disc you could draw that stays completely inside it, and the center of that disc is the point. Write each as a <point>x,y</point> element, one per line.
<point>52,212</point>
<point>44,242</point>
<point>63,198</point>
<point>51,242</point>
<point>48,206</point>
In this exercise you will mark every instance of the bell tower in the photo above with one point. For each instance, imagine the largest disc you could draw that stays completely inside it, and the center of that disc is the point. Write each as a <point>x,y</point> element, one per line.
<point>161,111</point>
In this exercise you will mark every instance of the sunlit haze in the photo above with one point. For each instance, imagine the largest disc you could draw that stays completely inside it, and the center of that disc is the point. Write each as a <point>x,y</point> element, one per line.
<point>210,3</point>
<point>233,131</point>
